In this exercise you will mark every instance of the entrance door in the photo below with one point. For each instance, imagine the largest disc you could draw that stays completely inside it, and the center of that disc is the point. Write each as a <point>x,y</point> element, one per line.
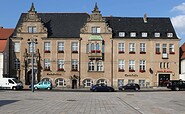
<point>164,79</point>
<point>74,84</point>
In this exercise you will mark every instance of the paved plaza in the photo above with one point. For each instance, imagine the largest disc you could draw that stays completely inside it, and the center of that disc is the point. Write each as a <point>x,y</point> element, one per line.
<point>84,102</point>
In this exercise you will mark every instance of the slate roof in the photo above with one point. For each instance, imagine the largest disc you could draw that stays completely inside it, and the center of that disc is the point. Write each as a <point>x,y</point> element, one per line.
<point>68,25</point>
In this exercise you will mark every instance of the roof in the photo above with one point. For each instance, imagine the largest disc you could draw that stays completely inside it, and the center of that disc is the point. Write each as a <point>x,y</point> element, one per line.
<point>68,25</point>
<point>5,33</point>
<point>182,53</point>
<point>2,45</point>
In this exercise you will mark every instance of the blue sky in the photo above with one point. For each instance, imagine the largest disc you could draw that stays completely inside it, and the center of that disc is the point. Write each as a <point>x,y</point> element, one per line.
<point>10,10</point>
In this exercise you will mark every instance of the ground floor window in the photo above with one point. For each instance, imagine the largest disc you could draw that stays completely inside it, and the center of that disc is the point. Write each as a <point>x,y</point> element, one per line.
<point>102,81</point>
<point>87,83</point>
<point>120,82</point>
<point>142,83</point>
<point>60,82</point>
<point>46,79</point>
<point>130,81</point>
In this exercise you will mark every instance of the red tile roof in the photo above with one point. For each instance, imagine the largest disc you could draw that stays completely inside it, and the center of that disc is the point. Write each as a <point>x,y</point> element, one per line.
<point>183,51</point>
<point>2,45</point>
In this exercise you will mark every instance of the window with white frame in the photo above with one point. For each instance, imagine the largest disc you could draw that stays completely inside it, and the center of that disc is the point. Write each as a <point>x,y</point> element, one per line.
<point>60,64</point>
<point>131,47</point>
<point>99,66</point>
<point>157,34</point>
<point>169,34</point>
<point>32,29</point>
<point>131,65</point>
<point>47,46</point>
<point>92,47</point>
<point>97,46</point>
<point>142,65</point>
<point>87,83</point>
<point>47,64</point>
<point>144,34</point>
<point>95,29</point>
<point>120,82</point>
<point>157,48</point>
<point>121,47</point>
<point>142,47</point>
<point>74,46</point>
<point>171,48</point>
<point>121,65</point>
<point>74,65</point>
<point>142,83</point>
<point>60,46</point>
<point>121,34</point>
<point>91,66</point>
<point>132,34</point>
<point>102,81</point>
<point>60,82</point>
<point>16,47</point>
<point>164,48</point>
<point>130,81</point>
<point>31,48</point>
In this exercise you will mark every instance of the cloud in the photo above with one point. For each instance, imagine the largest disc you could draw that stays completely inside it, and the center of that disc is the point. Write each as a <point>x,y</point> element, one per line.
<point>180,8</point>
<point>179,23</point>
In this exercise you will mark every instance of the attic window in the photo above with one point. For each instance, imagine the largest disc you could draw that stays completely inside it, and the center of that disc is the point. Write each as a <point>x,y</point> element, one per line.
<point>144,34</point>
<point>169,34</point>
<point>132,34</point>
<point>95,29</point>
<point>157,34</point>
<point>121,34</point>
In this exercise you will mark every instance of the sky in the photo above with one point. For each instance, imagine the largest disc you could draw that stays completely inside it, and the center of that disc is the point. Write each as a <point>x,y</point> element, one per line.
<point>10,10</point>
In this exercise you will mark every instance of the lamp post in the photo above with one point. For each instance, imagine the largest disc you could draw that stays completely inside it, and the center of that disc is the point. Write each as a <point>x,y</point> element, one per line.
<point>32,41</point>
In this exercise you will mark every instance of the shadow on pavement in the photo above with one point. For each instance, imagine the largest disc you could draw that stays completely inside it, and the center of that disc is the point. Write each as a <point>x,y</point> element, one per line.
<point>6,102</point>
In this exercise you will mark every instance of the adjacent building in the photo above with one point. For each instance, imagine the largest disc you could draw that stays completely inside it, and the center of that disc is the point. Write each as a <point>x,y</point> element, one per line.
<point>182,62</point>
<point>5,33</point>
<point>81,49</point>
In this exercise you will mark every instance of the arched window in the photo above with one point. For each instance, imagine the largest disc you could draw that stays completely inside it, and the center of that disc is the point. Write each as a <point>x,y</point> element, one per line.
<point>91,66</point>
<point>102,81</point>
<point>87,83</point>
<point>100,66</point>
<point>60,82</point>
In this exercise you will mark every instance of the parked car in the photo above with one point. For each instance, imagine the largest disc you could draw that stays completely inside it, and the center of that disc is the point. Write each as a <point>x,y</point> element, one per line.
<point>176,85</point>
<point>43,85</point>
<point>10,83</point>
<point>131,86</point>
<point>101,87</point>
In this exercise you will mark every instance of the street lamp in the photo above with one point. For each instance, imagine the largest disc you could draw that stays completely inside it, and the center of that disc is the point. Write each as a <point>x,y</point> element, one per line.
<point>32,41</point>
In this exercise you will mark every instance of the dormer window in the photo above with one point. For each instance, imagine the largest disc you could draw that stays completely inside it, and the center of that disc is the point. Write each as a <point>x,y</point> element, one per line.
<point>157,34</point>
<point>169,34</point>
<point>121,34</point>
<point>95,29</point>
<point>132,34</point>
<point>32,29</point>
<point>144,34</point>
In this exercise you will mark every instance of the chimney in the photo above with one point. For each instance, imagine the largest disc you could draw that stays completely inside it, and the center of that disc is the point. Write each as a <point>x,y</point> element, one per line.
<point>145,18</point>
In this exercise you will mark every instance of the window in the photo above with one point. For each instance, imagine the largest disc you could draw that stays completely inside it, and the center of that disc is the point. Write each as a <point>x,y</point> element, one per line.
<point>169,34</point>
<point>46,79</point>
<point>91,66</point>
<point>92,48</point>
<point>74,65</point>
<point>87,83</point>
<point>60,47</point>
<point>161,65</point>
<point>131,66</point>
<point>32,29</point>
<point>46,64</point>
<point>142,48</point>
<point>102,81</point>
<point>132,34</point>
<point>47,47</point>
<point>142,83</point>
<point>157,34</point>
<point>100,66</point>
<point>17,64</point>
<point>131,48</point>
<point>171,49</point>
<point>31,48</point>
<point>121,65</point>
<point>16,47</point>
<point>144,34</point>
<point>74,47</point>
<point>60,65</point>
<point>164,48</point>
<point>130,81</point>
<point>60,82</point>
<point>97,46</point>
<point>95,29</point>
<point>121,47</point>
<point>121,34</point>
<point>157,48</point>
<point>142,66</point>
<point>120,82</point>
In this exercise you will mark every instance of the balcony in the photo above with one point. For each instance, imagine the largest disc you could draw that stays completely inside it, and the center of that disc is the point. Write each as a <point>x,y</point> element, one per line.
<point>165,56</point>
<point>95,53</point>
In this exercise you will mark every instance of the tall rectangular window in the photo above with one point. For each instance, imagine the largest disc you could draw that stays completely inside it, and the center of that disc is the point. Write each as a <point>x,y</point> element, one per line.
<point>131,47</point>
<point>142,48</point>
<point>32,29</point>
<point>91,66</point>
<point>74,65</point>
<point>16,47</point>
<point>142,66</point>
<point>121,47</point>
<point>157,48</point>
<point>121,65</point>
<point>47,47</point>
<point>95,29</point>
<point>99,66</point>
<point>164,48</point>
<point>60,64</point>
<point>31,48</point>
<point>131,66</point>
<point>60,47</point>
<point>120,82</point>
<point>171,49</point>
<point>47,64</point>
<point>75,47</point>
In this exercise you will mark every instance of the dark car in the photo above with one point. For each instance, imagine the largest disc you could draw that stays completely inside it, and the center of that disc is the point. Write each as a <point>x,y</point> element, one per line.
<point>176,85</point>
<point>131,86</point>
<point>101,87</point>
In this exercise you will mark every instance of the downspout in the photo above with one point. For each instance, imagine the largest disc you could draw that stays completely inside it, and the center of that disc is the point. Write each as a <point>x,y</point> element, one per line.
<point>111,62</point>
<point>79,77</point>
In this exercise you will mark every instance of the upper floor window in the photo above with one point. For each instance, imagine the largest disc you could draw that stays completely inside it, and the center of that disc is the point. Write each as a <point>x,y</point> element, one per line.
<point>31,47</point>
<point>171,49</point>
<point>121,34</point>
<point>132,34</point>
<point>132,48</point>
<point>60,64</point>
<point>46,64</point>
<point>169,34</point>
<point>47,47</point>
<point>121,65</point>
<point>95,29</point>
<point>164,48</point>
<point>16,47</point>
<point>142,48</point>
<point>157,34</point>
<point>75,47</point>
<point>99,66</point>
<point>60,47</point>
<point>144,34</point>
<point>157,48</point>
<point>121,47</point>
<point>142,65</point>
<point>74,65</point>
<point>131,66</point>
<point>32,29</point>
<point>17,64</point>
<point>91,66</point>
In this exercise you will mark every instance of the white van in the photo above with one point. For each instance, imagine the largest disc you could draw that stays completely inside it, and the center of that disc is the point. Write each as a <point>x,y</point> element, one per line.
<point>10,83</point>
